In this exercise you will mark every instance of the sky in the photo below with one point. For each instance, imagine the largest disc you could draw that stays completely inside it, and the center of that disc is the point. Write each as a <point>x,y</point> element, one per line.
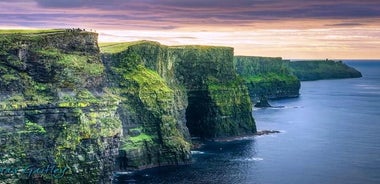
<point>292,29</point>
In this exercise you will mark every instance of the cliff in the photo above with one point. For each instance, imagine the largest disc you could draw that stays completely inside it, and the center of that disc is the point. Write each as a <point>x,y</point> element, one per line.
<point>323,69</point>
<point>64,105</point>
<point>153,105</point>
<point>54,112</point>
<point>219,104</point>
<point>267,77</point>
<point>213,101</point>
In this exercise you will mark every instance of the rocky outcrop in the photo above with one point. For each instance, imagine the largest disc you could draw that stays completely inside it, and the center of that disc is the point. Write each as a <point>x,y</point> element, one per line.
<point>267,77</point>
<point>263,102</point>
<point>267,132</point>
<point>323,69</point>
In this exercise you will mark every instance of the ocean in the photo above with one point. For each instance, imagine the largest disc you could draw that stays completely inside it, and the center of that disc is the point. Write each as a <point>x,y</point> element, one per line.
<point>329,135</point>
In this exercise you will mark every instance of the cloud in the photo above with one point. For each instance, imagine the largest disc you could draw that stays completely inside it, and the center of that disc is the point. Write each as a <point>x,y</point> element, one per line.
<point>61,3</point>
<point>237,8</point>
<point>345,24</point>
<point>203,14</point>
<point>291,28</point>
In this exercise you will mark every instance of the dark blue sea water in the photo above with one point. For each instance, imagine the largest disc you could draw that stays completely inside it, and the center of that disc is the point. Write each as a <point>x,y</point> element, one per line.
<point>330,135</point>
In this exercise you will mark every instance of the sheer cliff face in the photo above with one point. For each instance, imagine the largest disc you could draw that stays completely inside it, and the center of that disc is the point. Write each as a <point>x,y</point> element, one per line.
<point>219,104</point>
<point>152,106</point>
<point>64,104</point>
<point>268,77</point>
<point>209,97</point>
<point>53,110</point>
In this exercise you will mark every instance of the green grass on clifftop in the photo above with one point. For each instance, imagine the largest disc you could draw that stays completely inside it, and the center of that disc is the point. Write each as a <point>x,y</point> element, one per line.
<point>118,47</point>
<point>29,31</point>
<point>270,77</point>
<point>198,47</point>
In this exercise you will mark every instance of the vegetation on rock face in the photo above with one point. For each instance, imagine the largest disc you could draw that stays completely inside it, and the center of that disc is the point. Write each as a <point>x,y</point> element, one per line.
<point>266,76</point>
<point>233,106</point>
<point>149,103</point>
<point>323,69</point>
<point>33,127</point>
<point>53,110</point>
<point>40,64</point>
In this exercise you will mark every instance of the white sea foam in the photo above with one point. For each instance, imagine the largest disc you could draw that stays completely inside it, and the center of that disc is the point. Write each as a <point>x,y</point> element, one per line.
<point>285,107</point>
<point>367,86</point>
<point>248,159</point>
<point>123,173</point>
<point>244,138</point>
<point>197,152</point>
<point>362,85</point>
<point>254,159</point>
<point>372,87</point>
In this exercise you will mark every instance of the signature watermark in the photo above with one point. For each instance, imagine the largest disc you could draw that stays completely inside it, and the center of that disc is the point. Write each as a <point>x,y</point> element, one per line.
<point>30,171</point>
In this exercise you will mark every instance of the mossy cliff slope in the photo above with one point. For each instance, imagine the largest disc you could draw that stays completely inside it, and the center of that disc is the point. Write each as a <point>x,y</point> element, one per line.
<point>267,77</point>
<point>208,94</point>
<point>323,69</point>
<point>54,110</point>
<point>219,104</point>
<point>152,105</point>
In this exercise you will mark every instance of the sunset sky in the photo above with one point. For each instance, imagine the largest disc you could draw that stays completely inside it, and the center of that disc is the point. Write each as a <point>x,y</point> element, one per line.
<point>292,29</point>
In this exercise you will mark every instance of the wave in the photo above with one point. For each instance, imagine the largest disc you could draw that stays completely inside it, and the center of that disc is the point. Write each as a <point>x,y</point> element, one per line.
<point>248,159</point>
<point>278,107</point>
<point>123,173</point>
<point>372,87</point>
<point>282,131</point>
<point>370,92</point>
<point>368,86</point>
<point>283,107</point>
<point>197,152</point>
